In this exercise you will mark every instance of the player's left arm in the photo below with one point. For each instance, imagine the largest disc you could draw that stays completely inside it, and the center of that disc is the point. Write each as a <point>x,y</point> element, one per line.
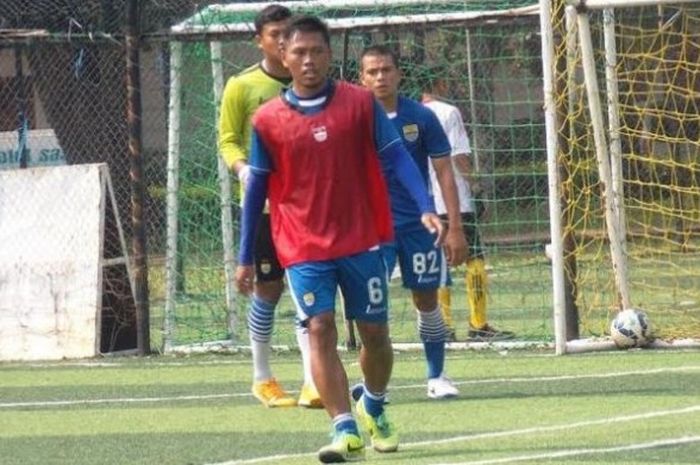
<point>438,146</point>
<point>392,152</point>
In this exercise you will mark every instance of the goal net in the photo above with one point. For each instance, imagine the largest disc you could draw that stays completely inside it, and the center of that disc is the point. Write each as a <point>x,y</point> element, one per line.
<point>626,96</point>
<point>491,50</point>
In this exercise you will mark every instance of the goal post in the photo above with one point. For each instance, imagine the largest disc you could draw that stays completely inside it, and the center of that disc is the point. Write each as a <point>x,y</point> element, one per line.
<point>491,52</point>
<point>611,196</point>
<point>629,157</point>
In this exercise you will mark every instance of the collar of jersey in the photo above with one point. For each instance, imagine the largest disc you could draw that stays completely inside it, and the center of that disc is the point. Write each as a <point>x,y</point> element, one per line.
<point>285,81</point>
<point>328,91</point>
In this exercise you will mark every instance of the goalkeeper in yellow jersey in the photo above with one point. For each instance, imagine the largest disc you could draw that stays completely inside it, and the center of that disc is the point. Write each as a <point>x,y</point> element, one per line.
<point>242,96</point>
<point>435,88</point>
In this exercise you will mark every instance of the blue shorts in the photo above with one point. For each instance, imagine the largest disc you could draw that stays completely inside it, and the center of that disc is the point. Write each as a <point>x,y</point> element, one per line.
<point>362,281</point>
<point>423,266</point>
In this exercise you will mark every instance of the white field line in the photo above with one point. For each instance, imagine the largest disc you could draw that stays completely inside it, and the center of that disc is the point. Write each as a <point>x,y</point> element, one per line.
<point>521,432</point>
<point>118,364</point>
<point>119,400</point>
<point>548,429</point>
<point>126,400</point>
<point>588,451</point>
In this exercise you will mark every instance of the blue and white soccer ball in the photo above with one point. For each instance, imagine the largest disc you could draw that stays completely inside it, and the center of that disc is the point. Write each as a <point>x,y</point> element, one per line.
<point>631,328</point>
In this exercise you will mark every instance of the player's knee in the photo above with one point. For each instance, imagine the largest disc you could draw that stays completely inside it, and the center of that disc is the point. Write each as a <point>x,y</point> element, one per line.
<point>425,300</point>
<point>322,330</point>
<point>270,291</point>
<point>374,336</point>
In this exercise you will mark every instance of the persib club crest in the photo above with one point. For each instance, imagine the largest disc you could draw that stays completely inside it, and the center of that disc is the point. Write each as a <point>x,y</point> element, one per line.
<point>410,132</point>
<point>265,267</point>
<point>320,133</point>
<point>309,299</point>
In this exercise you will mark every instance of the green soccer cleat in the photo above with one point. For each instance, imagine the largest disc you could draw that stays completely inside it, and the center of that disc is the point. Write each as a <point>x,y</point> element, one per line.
<point>384,436</point>
<point>346,447</point>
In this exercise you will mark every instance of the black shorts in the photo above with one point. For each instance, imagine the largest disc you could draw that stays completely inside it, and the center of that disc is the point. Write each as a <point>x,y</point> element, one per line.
<point>471,233</point>
<point>267,267</point>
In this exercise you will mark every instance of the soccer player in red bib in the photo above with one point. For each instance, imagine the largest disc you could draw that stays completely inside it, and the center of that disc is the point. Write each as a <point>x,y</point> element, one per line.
<point>316,154</point>
<point>243,94</point>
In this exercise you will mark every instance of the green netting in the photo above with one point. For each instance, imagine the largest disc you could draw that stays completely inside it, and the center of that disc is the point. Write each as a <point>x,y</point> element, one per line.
<point>656,69</point>
<point>494,72</point>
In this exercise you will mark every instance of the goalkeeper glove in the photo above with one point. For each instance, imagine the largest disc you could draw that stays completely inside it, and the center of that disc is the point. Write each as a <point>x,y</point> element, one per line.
<point>244,174</point>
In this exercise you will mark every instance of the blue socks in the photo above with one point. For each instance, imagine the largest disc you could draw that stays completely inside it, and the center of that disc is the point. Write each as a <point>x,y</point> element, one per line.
<point>345,423</point>
<point>374,403</point>
<point>432,331</point>
<point>261,319</point>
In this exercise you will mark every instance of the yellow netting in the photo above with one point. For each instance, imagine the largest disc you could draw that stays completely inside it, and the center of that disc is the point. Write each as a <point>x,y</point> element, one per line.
<point>658,73</point>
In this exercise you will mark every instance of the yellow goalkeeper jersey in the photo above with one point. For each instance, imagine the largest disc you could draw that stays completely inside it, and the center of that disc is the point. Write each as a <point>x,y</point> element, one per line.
<point>243,94</point>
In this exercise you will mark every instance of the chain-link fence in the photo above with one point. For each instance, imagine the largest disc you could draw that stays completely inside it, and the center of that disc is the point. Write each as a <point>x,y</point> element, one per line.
<point>63,70</point>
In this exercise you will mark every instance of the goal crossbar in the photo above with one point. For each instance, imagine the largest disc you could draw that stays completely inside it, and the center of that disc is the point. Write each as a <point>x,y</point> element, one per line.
<point>186,27</point>
<point>602,4</point>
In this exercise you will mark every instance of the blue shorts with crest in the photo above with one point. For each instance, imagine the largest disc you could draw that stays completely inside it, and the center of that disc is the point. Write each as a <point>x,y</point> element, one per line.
<point>361,279</point>
<point>423,266</point>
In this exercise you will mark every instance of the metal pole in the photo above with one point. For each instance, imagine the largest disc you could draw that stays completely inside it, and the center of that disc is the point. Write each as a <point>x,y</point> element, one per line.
<point>138,242</point>
<point>22,111</point>
<point>617,249</point>
<point>603,4</point>
<point>171,205</point>
<point>550,117</point>
<point>217,71</point>
<point>472,103</point>
<point>614,123</point>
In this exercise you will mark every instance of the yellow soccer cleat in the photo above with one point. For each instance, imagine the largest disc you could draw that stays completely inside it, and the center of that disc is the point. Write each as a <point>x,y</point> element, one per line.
<point>346,447</point>
<point>271,394</point>
<point>309,398</point>
<point>382,432</point>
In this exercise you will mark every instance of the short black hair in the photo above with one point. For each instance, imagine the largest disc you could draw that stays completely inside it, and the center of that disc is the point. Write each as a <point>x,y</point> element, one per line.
<point>308,23</point>
<point>380,50</point>
<point>271,14</point>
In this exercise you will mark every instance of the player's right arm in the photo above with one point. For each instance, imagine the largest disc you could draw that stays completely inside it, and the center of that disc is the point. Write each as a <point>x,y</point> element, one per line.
<point>391,149</point>
<point>233,117</point>
<point>253,204</point>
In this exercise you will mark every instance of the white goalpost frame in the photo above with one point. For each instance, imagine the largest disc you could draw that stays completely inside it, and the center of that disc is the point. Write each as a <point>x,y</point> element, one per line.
<point>617,248</point>
<point>172,208</point>
<point>364,21</point>
<point>614,171</point>
<point>552,146</point>
<point>217,71</point>
<point>472,104</point>
<point>257,6</point>
<point>607,4</point>
<point>172,204</point>
<point>613,97</point>
<point>185,27</point>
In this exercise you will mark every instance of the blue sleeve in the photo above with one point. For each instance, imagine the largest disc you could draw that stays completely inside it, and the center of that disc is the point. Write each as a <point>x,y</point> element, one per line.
<point>436,142</point>
<point>253,204</point>
<point>384,131</point>
<point>407,173</point>
<point>258,159</point>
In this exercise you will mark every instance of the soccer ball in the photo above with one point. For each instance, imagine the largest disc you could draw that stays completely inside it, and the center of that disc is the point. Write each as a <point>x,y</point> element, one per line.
<point>630,328</point>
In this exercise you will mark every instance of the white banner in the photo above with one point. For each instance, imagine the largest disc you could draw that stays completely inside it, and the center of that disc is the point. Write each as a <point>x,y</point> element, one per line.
<point>51,222</point>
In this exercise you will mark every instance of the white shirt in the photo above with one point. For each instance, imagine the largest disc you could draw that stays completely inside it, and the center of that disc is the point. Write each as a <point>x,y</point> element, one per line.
<point>451,121</point>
